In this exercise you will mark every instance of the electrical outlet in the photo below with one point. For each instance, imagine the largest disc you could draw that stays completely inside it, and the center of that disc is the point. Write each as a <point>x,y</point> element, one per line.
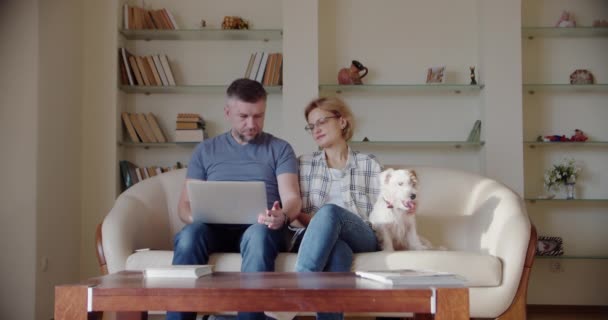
<point>556,267</point>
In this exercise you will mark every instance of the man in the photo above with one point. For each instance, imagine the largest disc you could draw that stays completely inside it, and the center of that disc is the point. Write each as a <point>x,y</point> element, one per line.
<point>243,153</point>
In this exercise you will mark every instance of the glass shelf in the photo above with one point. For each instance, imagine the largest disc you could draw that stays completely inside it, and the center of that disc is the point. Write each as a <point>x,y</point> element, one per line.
<point>188,89</point>
<point>532,32</point>
<point>203,34</point>
<point>531,88</point>
<point>561,200</point>
<point>598,257</point>
<point>534,144</point>
<point>455,144</point>
<point>148,145</point>
<point>439,87</point>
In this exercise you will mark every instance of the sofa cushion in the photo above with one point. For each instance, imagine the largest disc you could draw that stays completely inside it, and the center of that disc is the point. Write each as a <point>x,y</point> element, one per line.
<point>479,269</point>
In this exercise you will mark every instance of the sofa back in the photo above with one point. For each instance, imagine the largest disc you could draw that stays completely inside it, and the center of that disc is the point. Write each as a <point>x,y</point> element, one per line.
<point>456,209</point>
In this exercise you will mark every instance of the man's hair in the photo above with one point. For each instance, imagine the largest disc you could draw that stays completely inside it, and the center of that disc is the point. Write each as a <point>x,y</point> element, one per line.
<point>246,90</point>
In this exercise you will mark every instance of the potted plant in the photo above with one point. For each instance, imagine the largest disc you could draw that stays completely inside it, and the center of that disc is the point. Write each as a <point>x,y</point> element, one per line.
<point>562,174</point>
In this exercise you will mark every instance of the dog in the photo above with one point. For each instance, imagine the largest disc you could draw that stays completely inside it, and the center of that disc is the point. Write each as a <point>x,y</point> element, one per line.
<point>393,217</point>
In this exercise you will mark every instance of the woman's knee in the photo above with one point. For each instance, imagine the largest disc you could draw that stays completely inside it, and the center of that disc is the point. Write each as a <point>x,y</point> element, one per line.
<point>327,213</point>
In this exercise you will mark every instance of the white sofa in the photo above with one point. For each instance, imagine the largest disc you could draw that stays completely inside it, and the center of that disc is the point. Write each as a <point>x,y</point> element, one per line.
<point>482,223</point>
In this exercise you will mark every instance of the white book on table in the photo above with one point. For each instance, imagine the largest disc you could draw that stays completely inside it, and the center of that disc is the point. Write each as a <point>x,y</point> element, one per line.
<point>410,277</point>
<point>183,271</point>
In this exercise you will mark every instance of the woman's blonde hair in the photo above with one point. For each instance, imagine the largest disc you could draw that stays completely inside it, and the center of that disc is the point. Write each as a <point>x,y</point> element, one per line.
<point>339,108</point>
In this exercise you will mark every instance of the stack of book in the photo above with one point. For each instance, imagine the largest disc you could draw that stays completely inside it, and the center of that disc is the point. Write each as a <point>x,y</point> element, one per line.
<point>415,278</point>
<point>181,271</point>
<point>189,127</point>
<point>265,68</point>
<point>139,18</point>
<point>143,128</point>
<point>151,70</point>
<point>132,174</point>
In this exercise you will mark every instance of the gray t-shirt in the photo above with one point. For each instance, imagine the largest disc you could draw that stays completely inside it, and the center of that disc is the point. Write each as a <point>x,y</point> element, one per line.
<point>221,158</point>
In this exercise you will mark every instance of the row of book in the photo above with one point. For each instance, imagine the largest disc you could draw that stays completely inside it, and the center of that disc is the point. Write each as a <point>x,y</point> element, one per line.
<point>265,68</point>
<point>139,18</point>
<point>189,127</point>
<point>153,70</point>
<point>132,174</point>
<point>142,127</point>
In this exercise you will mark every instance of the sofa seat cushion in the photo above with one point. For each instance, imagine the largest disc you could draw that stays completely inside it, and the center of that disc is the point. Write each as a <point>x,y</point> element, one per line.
<point>480,270</point>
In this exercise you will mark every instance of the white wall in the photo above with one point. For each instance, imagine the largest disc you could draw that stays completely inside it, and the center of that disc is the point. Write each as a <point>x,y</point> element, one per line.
<point>99,120</point>
<point>18,162</point>
<point>60,76</point>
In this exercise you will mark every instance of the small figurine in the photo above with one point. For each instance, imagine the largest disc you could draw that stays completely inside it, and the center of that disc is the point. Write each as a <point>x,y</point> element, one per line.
<point>581,76</point>
<point>473,81</point>
<point>203,23</point>
<point>234,23</point>
<point>566,20</point>
<point>351,75</point>
<point>579,136</point>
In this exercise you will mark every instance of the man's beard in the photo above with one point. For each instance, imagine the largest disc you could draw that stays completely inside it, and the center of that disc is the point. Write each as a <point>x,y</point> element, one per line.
<point>244,138</point>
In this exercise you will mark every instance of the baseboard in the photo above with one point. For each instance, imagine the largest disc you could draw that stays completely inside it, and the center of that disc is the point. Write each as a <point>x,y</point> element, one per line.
<point>576,309</point>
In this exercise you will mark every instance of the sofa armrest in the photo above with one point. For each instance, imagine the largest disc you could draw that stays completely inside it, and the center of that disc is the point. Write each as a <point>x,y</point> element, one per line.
<point>131,225</point>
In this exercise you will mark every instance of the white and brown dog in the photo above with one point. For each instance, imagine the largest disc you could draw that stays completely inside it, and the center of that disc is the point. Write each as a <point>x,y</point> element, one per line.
<point>393,217</point>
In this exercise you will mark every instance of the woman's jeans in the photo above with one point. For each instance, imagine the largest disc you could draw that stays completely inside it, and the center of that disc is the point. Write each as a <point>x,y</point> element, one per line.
<point>258,245</point>
<point>329,242</point>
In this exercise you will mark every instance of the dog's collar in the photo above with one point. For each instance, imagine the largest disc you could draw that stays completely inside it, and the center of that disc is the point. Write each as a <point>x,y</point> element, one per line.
<point>388,203</point>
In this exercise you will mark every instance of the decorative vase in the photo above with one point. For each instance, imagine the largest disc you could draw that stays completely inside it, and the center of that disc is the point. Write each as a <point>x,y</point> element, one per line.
<point>570,191</point>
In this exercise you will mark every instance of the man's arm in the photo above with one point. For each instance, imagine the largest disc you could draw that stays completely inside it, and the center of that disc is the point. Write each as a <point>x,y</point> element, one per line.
<point>183,207</point>
<point>289,191</point>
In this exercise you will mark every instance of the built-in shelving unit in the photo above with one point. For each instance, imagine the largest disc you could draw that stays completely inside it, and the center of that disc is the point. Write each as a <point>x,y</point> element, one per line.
<point>430,144</point>
<point>203,34</point>
<point>578,32</point>
<point>180,89</point>
<point>455,88</point>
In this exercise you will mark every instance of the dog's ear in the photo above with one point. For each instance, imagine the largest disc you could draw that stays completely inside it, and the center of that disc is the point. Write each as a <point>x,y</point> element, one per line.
<point>413,178</point>
<point>385,176</point>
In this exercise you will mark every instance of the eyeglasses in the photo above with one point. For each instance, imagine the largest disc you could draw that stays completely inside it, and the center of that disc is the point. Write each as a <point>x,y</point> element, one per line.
<point>322,121</point>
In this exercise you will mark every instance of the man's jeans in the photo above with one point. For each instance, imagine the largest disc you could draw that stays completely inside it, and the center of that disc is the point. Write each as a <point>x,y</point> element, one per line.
<point>329,242</point>
<point>257,244</point>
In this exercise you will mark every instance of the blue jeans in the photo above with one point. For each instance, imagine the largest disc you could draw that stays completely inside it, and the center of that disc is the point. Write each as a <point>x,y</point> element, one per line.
<point>329,242</point>
<point>258,245</point>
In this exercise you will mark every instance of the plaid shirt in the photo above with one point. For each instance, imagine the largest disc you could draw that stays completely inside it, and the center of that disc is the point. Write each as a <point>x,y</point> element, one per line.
<point>360,185</point>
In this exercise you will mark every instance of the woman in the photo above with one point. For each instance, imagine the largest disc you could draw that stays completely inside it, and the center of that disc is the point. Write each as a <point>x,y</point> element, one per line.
<point>339,187</point>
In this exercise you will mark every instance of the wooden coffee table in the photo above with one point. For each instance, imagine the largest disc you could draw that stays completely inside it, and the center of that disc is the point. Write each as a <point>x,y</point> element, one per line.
<point>130,291</point>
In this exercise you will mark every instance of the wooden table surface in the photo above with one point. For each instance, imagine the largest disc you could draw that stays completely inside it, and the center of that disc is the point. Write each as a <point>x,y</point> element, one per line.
<point>264,291</point>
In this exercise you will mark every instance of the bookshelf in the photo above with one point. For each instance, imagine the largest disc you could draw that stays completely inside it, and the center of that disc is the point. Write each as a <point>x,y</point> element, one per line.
<point>553,106</point>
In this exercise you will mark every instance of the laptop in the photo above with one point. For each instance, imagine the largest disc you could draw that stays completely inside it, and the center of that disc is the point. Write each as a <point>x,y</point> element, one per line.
<point>227,202</point>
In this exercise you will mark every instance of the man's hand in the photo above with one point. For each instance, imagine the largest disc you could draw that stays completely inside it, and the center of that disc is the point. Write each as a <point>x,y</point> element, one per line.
<point>273,218</point>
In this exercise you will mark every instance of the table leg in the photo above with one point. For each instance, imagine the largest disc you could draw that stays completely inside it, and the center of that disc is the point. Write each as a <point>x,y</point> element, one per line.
<point>131,315</point>
<point>71,303</point>
<point>452,304</point>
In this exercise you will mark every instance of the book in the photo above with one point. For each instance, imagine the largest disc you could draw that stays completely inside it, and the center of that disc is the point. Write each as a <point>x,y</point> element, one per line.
<point>138,128</point>
<point>182,125</point>
<point>259,77</point>
<point>161,72</point>
<point>249,66</point>
<point>410,277</point>
<point>143,122</point>
<point>183,271</point>
<point>142,70</point>
<point>130,129</point>
<point>194,135</point>
<point>125,60</point>
<point>475,134</point>
<point>167,69</point>
<point>136,72</point>
<point>158,133</point>
<point>154,70</point>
